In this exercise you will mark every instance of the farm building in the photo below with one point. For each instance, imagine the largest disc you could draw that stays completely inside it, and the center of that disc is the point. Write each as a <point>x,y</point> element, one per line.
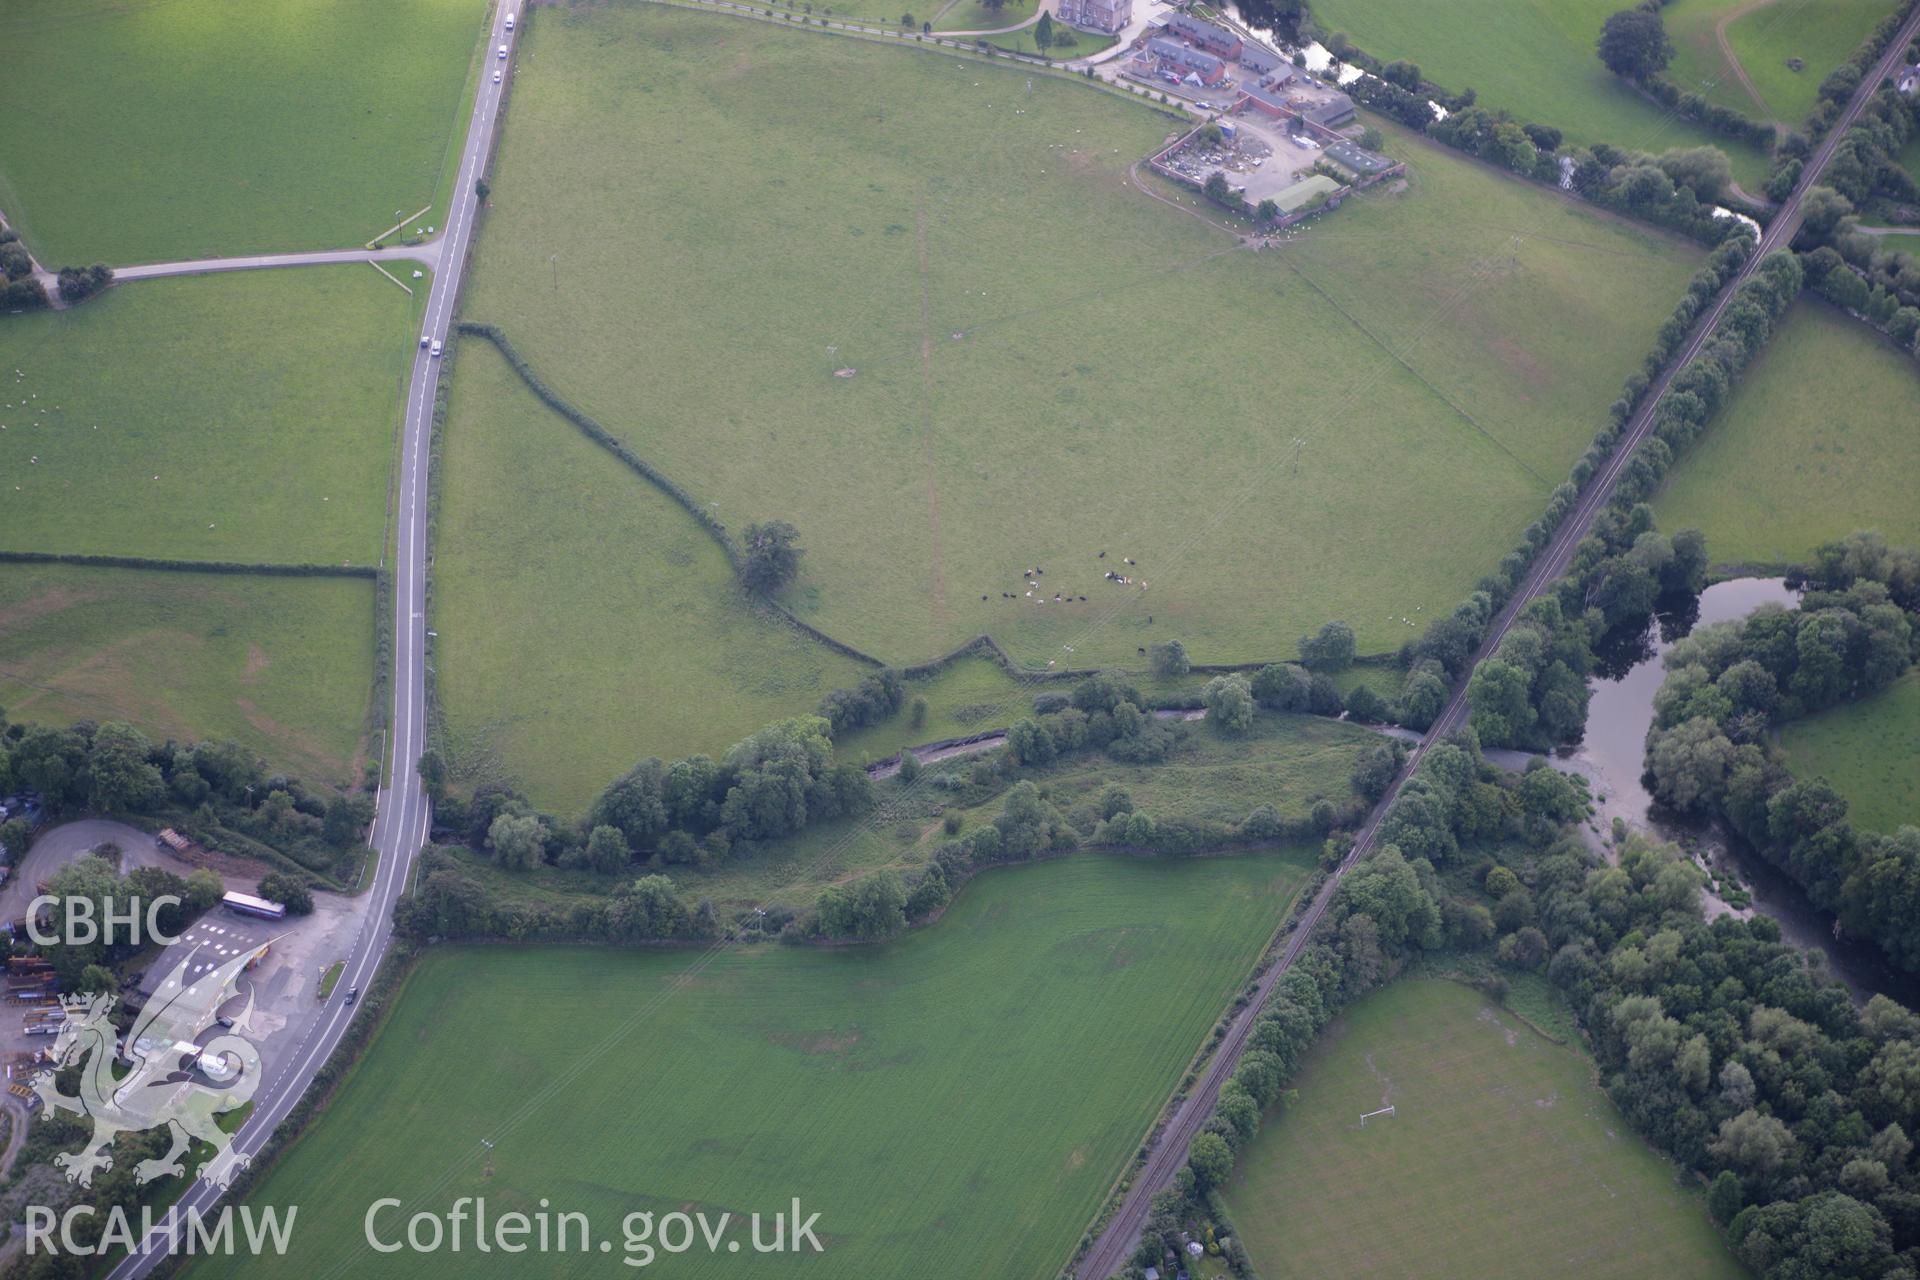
<point>1259,59</point>
<point>1357,158</point>
<point>1330,112</point>
<point>1107,16</point>
<point>1216,40</point>
<point>1305,191</point>
<point>1204,65</point>
<point>1907,79</point>
<point>1270,102</point>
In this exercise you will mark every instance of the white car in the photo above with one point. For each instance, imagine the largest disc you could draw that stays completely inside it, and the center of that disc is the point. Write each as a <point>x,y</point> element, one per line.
<point>436,348</point>
<point>425,339</point>
<point>509,22</point>
<point>503,53</point>
<point>496,77</point>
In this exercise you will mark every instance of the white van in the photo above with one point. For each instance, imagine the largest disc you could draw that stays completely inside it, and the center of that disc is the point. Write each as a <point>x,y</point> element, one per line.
<point>509,22</point>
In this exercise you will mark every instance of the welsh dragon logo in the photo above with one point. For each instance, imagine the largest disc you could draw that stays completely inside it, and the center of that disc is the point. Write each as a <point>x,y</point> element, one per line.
<point>171,1080</point>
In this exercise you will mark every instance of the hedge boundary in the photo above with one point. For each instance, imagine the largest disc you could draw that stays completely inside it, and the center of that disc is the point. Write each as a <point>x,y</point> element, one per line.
<point>594,431</point>
<point>368,571</point>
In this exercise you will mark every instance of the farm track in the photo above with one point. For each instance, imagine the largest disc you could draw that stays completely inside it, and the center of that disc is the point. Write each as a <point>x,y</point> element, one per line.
<point>428,252</point>
<point>1118,1238</point>
<point>1733,59</point>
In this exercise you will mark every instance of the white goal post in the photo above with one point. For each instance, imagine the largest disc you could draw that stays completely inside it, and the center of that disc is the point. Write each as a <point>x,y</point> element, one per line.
<point>1384,1111</point>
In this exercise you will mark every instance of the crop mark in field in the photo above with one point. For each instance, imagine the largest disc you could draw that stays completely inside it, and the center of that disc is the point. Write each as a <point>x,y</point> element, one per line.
<point>937,569</point>
<point>835,1043</point>
<point>1386,1081</point>
<point>52,601</point>
<point>1400,360</point>
<point>1487,1015</point>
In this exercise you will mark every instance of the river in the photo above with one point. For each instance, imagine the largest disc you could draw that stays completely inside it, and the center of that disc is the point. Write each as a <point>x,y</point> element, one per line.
<point>1611,756</point>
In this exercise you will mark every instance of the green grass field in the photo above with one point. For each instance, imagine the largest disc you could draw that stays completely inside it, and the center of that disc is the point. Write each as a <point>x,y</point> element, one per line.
<point>266,403</point>
<point>1123,380</point>
<point>1536,59</point>
<point>1763,36</point>
<point>1870,750</point>
<point>585,622</point>
<point>281,665</point>
<point>148,130</point>
<point>952,1104</point>
<point>1816,442</point>
<point>1502,1159</point>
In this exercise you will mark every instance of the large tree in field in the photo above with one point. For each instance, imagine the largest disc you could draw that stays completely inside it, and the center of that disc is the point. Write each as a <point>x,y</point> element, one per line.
<point>1634,45</point>
<point>771,560</point>
<point>1328,649</point>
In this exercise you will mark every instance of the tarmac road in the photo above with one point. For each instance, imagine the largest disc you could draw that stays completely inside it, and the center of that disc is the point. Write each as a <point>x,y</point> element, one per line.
<point>400,824</point>
<point>1121,1235</point>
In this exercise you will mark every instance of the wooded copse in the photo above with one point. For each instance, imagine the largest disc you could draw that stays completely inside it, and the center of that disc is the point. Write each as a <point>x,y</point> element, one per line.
<point>1730,684</point>
<point>217,793</point>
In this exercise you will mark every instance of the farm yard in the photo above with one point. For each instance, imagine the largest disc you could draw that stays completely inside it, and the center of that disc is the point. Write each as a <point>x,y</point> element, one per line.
<point>246,417</point>
<point>1763,35</point>
<point>1396,390</point>
<point>1869,750</point>
<point>1816,442</point>
<point>1536,59</point>
<point>198,128</point>
<point>954,1103</point>
<point>283,666</point>
<point>1502,1159</point>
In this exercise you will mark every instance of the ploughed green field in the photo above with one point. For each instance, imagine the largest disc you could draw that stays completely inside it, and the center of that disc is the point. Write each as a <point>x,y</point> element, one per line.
<point>249,416</point>
<point>1536,59</point>
<point>585,621</point>
<point>280,665</point>
<point>728,229</point>
<point>1502,1158</point>
<point>160,129</point>
<point>1817,441</point>
<point>1763,35</point>
<point>1287,761</point>
<point>955,1103</point>
<point>1870,750</point>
